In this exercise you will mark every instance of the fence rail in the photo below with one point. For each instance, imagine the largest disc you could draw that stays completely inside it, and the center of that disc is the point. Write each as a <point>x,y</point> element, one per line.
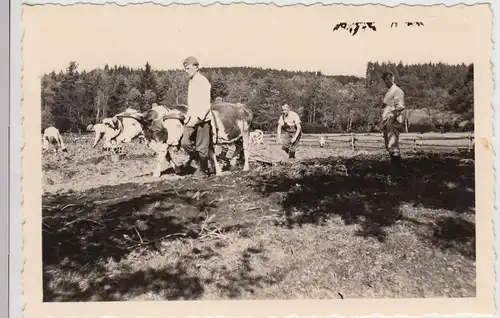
<point>410,141</point>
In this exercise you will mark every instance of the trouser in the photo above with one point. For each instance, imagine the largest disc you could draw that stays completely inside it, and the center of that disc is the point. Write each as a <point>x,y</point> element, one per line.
<point>288,146</point>
<point>391,138</point>
<point>46,142</point>
<point>200,136</point>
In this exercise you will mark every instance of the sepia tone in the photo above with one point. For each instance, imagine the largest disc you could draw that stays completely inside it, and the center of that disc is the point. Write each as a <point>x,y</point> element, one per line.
<point>368,192</point>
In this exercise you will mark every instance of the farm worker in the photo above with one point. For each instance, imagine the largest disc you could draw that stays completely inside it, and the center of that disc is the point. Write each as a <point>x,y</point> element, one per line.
<point>198,116</point>
<point>112,122</point>
<point>99,130</point>
<point>290,122</point>
<point>114,128</point>
<point>52,136</point>
<point>392,118</point>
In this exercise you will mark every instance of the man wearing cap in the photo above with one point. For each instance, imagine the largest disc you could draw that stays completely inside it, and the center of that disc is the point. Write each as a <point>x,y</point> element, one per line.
<point>198,116</point>
<point>291,123</point>
<point>392,120</point>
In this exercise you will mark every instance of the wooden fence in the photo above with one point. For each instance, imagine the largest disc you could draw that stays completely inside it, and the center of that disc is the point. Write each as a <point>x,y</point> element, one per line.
<point>407,141</point>
<point>365,141</point>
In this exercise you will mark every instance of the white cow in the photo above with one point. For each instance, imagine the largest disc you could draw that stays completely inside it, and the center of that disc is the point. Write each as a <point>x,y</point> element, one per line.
<point>257,137</point>
<point>51,136</point>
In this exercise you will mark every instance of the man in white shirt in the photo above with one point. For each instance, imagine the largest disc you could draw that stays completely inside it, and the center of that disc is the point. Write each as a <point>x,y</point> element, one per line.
<point>197,124</point>
<point>290,122</point>
<point>392,120</point>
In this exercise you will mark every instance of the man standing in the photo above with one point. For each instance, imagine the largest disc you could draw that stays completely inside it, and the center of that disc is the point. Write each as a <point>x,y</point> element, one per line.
<point>391,117</point>
<point>197,124</point>
<point>290,122</point>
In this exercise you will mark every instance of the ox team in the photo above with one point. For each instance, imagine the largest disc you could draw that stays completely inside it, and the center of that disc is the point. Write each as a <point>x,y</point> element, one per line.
<point>199,122</point>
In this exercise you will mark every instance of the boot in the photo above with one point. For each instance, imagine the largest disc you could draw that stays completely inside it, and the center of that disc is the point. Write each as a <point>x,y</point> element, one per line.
<point>291,155</point>
<point>188,164</point>
<point>285,148</point>
<point>202,169</point>
<point>396,160</point>
<point>211,168</point>
<point>397,170</point>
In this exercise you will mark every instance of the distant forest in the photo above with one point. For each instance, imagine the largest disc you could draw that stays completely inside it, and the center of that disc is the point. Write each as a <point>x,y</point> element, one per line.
<point>439,96</point>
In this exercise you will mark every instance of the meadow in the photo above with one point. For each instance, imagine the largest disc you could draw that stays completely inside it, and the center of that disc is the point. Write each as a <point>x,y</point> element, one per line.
<point>334,223</point>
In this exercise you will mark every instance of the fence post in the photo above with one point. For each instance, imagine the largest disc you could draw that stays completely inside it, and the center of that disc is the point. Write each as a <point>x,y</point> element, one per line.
<point>414,144</point>
<point>353,146</point>
<point>469,144</point>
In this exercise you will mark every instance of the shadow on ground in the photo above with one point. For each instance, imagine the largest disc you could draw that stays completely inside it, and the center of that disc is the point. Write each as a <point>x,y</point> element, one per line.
<point>168,283</point>
<point>372,193</point>
<point>89,236</point>
<point>85,232</point>
<point>79,230</point>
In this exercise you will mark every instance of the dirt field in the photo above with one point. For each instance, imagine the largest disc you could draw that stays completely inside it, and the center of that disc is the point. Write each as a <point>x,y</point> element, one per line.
<point>332,224</point>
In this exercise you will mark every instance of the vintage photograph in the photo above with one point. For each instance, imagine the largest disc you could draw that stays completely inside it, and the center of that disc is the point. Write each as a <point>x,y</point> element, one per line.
<point>184,166</point>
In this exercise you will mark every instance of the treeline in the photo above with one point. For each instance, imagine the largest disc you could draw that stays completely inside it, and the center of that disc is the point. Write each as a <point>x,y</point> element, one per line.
<point>438,96</point>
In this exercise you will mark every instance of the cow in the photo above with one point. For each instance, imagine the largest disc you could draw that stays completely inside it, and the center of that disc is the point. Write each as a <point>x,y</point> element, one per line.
<point>51,136</point>
<point>163,128</point>
<point>232,126</point>
<point>321,141</point>
<point>116,134</point>
<point>257,137</point>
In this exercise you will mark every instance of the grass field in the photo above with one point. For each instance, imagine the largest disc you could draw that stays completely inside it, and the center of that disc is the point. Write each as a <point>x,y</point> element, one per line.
<point>333,224</point>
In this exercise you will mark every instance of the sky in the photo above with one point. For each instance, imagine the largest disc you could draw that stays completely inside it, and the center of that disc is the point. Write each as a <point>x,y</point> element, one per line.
<point>267,36</point>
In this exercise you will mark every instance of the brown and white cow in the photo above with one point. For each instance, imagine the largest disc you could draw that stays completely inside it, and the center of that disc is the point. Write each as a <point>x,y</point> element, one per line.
<point>231,122</point>
<point>163,128</point>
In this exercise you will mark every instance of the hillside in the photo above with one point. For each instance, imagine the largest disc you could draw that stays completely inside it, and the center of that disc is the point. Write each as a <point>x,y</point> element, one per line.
<point>439,96</point>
